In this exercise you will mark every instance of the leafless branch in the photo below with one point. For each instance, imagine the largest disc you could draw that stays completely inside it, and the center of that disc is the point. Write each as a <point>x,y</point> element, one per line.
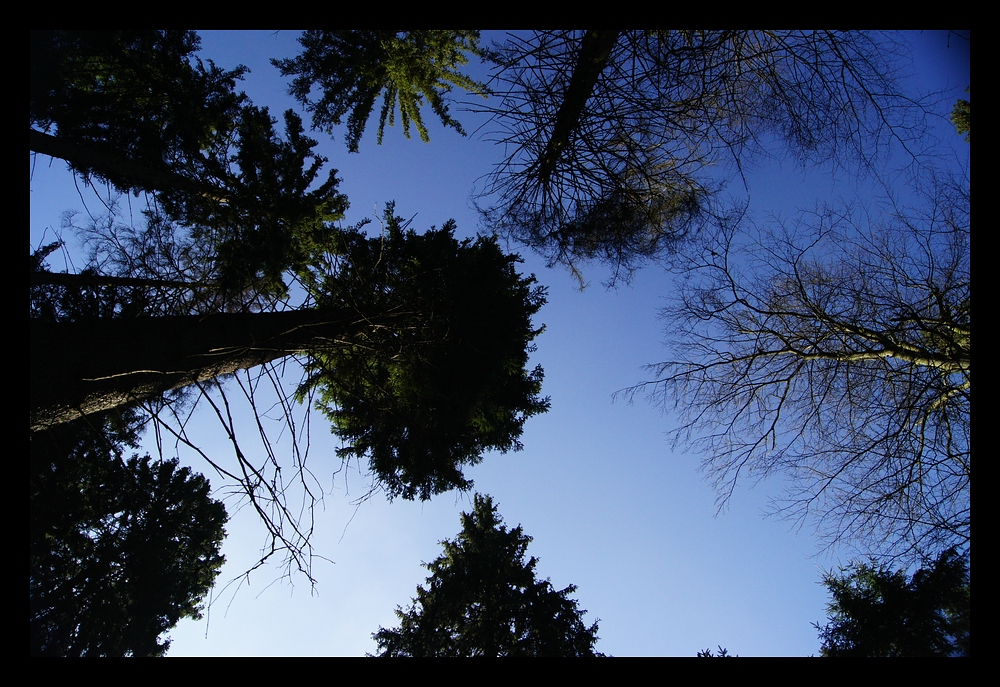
<point>618,166</point>
<point>835,350</point>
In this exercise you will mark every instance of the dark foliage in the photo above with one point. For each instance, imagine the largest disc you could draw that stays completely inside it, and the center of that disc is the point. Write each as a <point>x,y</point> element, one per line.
<point>876,611</point>
<point>707,653</point>
<point>139,94</point>
<point>483,599</point>
<point>615,140</point>
<point>353,68</point>
<point>443,377</point>
<point>137,110</point>
<point>121,550</point>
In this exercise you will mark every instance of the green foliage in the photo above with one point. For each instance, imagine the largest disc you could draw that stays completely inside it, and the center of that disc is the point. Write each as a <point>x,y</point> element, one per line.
<point>960,118</point>
<point>137,110</point>
<point>352,68</point>
<point>880,612</point>
<point>483,599</point>
<point>271,221</point>
<point>140,93</point>
<point>121,550</point>
<point>441,375</point>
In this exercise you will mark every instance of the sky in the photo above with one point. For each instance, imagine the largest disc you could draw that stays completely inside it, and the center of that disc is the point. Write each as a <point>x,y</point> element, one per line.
<point>613,507</point>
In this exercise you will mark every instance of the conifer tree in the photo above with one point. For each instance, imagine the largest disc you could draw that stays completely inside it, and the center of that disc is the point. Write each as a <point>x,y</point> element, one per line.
<point>484,599</point>
<point>352,69</point>
<point>120,549</point>
<point>876,611</point>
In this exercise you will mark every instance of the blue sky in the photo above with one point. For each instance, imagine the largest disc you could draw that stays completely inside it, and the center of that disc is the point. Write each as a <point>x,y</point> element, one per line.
<point>612,507</point>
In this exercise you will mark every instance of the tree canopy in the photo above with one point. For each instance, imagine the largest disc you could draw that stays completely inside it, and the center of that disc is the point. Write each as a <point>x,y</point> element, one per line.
<point>611,137</point>
<point>833,349</point>
<point>876,611</point>
<point>484,599</point>
<point>121,549</point>
<point>416,347</point>
<point>353,68</point>
<point>446,379</point>
<point>137,110</point>
<point>836,352</point>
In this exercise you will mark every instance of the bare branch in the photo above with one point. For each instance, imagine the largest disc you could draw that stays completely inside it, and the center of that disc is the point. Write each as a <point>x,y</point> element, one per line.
<point>614,141</point>
<point>836,352</point>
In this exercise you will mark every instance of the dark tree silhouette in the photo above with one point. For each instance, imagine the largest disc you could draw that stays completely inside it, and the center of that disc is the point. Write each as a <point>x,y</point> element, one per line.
<point>135,109</point>
<point>707,653</point>
<point>446,377</point>
<point>875,611</point>
<point>836,351</point>
<point>121,549</point>
<point>483,599</point>
<point>417,344</point>
<point>614,139</point>
<point>419,357</point>
<point>611,137</point>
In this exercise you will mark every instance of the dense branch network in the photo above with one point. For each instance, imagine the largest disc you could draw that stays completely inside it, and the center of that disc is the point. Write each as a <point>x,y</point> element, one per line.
<point>610,136</point>
<point>838,353</point>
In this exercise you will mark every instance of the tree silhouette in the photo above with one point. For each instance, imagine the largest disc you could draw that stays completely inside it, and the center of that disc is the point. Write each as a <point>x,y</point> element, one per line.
<point>121,549</point>
<point>418,345</point>
<point>353,68</point>
<point>610,137</point>
<point>707,653</point>
<point>875,611</point>
<point>483,599</point>
<point>137,110</point>
<point>436,363</point>
<point>836,352</point>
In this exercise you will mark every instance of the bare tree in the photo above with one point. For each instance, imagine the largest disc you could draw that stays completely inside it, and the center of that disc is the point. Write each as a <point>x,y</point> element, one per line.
<point>612,137</point>
<point>835,350</point>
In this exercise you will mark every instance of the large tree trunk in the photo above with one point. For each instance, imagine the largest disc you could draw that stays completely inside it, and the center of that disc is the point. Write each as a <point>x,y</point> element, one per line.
<point>88,367</point>
<point>84,155</point>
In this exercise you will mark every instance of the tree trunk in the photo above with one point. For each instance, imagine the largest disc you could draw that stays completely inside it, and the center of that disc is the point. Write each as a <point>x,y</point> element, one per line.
<point>87,367</point>
<point>595,49</point>
<point>83,155</point>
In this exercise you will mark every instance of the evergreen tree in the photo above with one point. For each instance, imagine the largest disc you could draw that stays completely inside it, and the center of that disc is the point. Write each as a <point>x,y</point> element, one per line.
<point>875,611</point>
<point>120,549</point>
<point>353,68</point>
<point>138,110</point>
<point>448,378</point>
<point>417,345</point>
<point>483,599</point>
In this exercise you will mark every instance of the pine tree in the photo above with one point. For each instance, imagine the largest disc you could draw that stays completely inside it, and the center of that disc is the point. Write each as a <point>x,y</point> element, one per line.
<point>484,599</point>
<point>875,611</point>
<point>353,68</point>
<point>121,549</point>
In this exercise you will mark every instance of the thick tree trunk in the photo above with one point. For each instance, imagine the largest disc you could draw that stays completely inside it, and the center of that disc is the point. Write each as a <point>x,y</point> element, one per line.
<point>87,367</point>
<point>595,49</point>
<point>85,156</point>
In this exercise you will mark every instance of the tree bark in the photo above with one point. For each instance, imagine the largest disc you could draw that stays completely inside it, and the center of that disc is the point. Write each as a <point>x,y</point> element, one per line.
<point>87,367</point>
